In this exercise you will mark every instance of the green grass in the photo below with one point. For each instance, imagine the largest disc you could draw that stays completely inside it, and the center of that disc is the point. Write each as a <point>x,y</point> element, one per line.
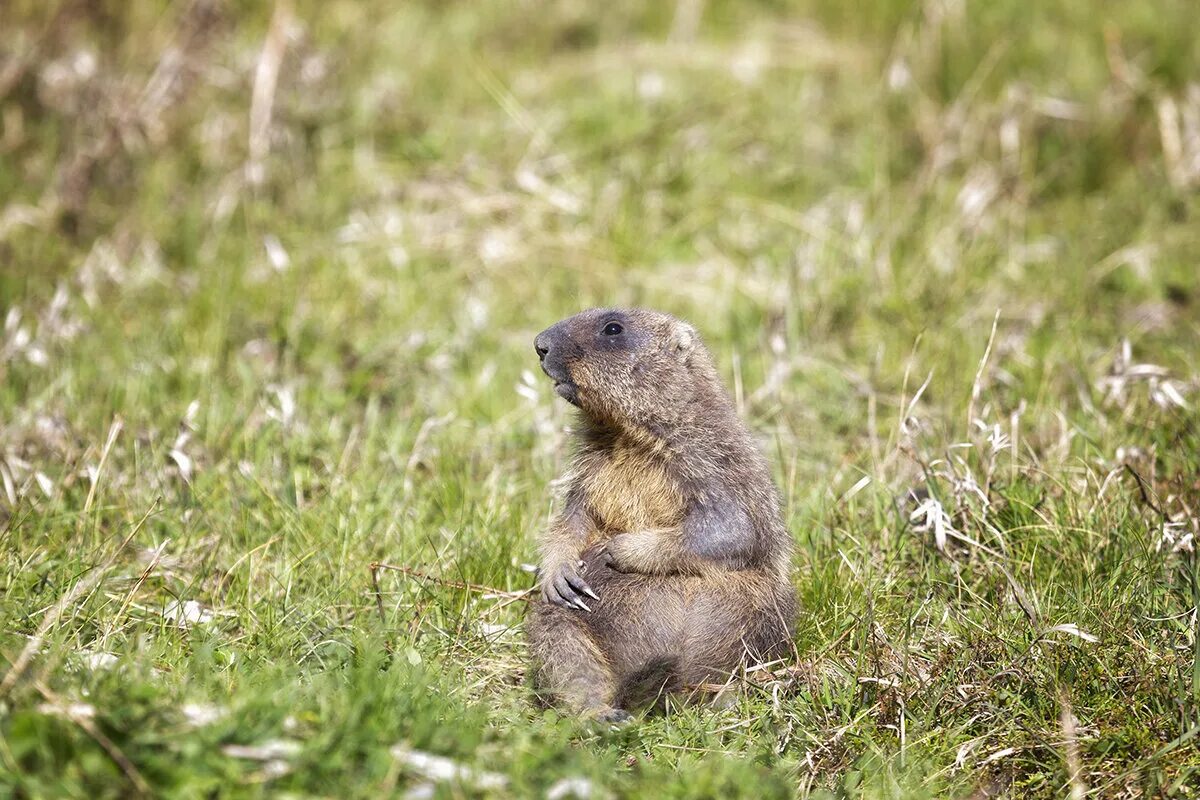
<point>840,196</point>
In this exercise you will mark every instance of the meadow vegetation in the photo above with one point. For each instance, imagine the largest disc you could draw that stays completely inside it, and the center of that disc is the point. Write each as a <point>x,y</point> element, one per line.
<point>269,281</point>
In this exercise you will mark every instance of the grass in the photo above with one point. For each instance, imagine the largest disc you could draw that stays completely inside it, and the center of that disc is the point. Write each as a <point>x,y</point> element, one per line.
<point>225,394</point>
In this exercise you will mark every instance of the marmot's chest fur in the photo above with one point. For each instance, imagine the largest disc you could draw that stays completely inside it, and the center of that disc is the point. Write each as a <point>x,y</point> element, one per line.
<point>629,489</point>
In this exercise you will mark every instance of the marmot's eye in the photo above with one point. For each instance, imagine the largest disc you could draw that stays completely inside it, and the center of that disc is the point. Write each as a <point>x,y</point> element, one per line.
<point>612,329</point>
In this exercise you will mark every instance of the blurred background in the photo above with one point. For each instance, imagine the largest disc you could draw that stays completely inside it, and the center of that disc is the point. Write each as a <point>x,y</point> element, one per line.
<point>403,193</point>
<point>269,279</point>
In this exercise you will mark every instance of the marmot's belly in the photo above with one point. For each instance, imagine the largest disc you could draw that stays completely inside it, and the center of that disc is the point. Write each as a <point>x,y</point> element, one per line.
<point>706,622</point>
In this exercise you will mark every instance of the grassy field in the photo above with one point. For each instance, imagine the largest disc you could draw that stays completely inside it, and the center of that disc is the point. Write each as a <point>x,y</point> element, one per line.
<point>269,280</point>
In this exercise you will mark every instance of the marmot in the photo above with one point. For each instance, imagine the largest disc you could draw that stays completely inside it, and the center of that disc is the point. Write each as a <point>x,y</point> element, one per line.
<point>669,563</point>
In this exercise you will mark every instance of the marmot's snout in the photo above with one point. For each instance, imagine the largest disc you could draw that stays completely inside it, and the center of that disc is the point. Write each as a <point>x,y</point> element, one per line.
<point>551,346</point>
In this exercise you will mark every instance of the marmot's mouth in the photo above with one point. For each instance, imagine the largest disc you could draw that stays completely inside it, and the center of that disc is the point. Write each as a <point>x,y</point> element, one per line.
<point>564,387</point>
<point>567,391</point>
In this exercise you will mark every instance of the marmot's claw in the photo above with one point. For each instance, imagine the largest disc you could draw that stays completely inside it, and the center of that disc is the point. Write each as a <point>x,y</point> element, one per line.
<point>565,588</point>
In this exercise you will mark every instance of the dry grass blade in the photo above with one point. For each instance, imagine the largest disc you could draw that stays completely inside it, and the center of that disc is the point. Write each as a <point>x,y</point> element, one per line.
<point>977,384</point>
<point>114,430</point>
<point>440,768</point>
<point>262,100</point>
<point>1071,749</point>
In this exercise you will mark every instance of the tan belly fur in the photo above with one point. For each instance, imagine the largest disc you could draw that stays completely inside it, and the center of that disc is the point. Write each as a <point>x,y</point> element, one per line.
<point>629,491</point>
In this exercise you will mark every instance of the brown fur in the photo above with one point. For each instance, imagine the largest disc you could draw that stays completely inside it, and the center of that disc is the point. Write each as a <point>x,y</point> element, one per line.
<point>672,520</point>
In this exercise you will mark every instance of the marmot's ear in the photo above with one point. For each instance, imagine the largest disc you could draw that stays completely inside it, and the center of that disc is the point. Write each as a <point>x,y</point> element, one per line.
<point>684,340</point>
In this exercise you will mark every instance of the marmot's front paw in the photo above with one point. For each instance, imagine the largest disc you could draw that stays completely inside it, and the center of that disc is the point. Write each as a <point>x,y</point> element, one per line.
<point>617,553</point>
<point>563,586</point>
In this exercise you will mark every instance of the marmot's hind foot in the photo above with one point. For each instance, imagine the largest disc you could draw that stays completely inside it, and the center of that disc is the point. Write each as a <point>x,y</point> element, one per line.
<point>617,717</point>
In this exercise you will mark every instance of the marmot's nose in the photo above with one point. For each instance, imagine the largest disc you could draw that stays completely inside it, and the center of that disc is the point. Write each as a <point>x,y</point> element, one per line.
<point>542,346</point>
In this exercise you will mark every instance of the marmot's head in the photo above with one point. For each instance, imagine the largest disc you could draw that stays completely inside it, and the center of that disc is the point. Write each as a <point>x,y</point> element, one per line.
<point>625,366</point>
